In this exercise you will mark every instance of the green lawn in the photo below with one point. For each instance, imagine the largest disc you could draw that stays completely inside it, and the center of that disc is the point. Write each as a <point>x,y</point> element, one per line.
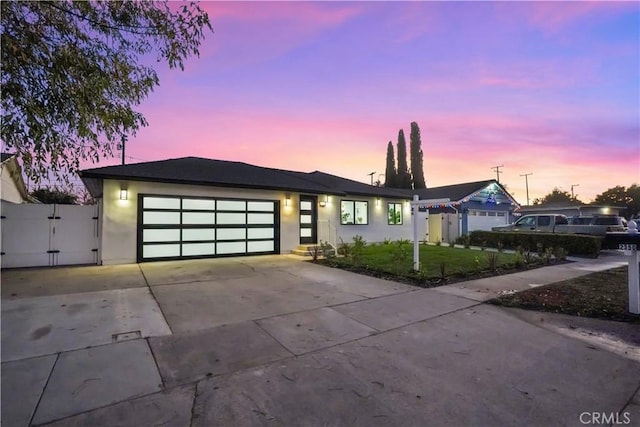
<point>457,262</point>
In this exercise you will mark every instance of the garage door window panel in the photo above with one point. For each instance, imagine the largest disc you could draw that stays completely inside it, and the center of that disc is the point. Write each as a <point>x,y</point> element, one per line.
<point>260,218</point>
<point>196,234</point>
<point>161,218</point>
<point>198,204</point>
<point>231,247</point>
<point>232,234</point>
<point>198,218</point>
<point>260,233</point>
<point>161,203</point>
<point>260,206</point>
<point>198,249</point>
<point>260,246</point>
<point>231,205</point>
<point>161,235</point>
<point>161,251</point>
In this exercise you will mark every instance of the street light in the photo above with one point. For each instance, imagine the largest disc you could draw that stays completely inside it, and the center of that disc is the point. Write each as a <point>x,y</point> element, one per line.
<point>573,185</point>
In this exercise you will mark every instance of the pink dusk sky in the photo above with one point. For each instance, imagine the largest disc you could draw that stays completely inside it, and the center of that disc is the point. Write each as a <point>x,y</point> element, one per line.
<point>549,88</point>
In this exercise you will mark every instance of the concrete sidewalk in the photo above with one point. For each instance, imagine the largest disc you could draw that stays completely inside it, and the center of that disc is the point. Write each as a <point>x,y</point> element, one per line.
<point>380,354</point>
<point>492,287</point>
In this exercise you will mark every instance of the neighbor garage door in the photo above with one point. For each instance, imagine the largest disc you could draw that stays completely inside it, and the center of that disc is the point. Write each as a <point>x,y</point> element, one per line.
<point>187,227</point>
<point>484,220</point>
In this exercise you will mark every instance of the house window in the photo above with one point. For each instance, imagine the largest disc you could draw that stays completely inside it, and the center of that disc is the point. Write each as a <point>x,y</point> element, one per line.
<point>394,213</point>
<point>354,212</point>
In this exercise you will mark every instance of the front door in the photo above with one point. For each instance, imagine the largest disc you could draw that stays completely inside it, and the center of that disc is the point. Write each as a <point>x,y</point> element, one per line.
<point>308,219</point>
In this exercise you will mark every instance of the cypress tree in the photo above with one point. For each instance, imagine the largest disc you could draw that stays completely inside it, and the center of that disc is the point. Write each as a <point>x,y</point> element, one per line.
<point>390,172</point>
<point>403,176</point>
<point>415,146</point>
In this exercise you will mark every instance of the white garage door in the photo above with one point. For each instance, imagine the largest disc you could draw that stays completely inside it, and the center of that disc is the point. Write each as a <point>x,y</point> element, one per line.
<point>173,227</point>
<point>484,220</point>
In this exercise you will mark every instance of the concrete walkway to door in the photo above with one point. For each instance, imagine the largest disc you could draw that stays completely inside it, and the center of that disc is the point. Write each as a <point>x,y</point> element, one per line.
<point>264,340</point>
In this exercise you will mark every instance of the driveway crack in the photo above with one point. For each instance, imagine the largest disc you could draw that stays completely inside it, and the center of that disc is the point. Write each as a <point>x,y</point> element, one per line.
<point>164,317</point>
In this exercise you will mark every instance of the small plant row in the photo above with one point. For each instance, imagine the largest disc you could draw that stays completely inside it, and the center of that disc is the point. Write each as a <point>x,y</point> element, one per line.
<point>486,263</point>
<point>573,244</point>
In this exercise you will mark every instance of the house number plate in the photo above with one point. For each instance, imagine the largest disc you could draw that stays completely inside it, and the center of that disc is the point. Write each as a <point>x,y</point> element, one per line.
<point>628,248</point>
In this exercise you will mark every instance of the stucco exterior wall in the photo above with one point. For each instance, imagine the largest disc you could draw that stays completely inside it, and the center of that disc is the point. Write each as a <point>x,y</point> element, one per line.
<point>119,218</point>
<point>378,228</point>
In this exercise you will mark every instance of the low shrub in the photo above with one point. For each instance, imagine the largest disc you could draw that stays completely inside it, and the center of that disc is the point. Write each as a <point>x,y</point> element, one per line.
<point>492,260</point>
<point>327,250</point>
<point>560,253</point>
<point>573,244</point>
<point>315,252</point>
<point>357,249</point>
<point>400,253</point>
<point>343,248</point>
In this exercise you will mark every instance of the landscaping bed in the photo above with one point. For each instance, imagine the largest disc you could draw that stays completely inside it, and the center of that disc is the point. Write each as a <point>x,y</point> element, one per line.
<point>602,295</point>
<point>439,265</point>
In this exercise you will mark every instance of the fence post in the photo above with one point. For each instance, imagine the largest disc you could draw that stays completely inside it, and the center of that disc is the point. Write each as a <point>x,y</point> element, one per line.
<point>416,247</point>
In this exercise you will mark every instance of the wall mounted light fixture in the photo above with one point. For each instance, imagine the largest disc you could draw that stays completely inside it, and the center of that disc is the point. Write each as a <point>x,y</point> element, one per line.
<point>323,202</point>
<point>287,200</point>
<point>377,202</point>
<point>124,194</point>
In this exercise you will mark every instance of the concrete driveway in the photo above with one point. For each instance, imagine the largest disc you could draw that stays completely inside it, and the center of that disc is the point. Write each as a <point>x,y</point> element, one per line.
<point>276,341</point>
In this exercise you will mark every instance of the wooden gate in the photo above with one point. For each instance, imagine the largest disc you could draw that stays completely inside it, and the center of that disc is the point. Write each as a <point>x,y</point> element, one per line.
<point>35,235</point>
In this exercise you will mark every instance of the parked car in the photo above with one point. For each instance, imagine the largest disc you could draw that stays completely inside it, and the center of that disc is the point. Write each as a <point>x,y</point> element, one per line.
<point>539,223</point>
<point>594,225</point>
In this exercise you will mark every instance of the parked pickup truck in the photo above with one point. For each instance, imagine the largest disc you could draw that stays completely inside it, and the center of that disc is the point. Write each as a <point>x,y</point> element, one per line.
<point>540,223</point>
<point>553,223</point>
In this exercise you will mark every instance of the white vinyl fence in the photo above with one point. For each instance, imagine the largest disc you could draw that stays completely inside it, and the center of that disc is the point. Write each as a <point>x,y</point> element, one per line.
<point>36,235</point>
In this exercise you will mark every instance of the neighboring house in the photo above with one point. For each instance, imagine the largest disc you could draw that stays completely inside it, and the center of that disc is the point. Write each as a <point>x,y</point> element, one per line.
<point>571,210</point>
<point>13,188</point>
<point>194,207</point>
<point>462,208</point>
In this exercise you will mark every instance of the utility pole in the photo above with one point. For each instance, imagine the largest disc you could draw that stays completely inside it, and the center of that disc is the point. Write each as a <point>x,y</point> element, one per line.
<point>371,175</point>
<point>497,169</point>
<point>573,185</point>
<point>526,183</point>
<point>122,146</point>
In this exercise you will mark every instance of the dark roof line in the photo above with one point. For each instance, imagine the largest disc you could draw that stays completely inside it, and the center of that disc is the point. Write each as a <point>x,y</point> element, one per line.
<point>223,173</point>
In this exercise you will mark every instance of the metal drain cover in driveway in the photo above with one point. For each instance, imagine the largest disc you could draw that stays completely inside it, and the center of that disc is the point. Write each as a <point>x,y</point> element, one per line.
<point>125,336</point>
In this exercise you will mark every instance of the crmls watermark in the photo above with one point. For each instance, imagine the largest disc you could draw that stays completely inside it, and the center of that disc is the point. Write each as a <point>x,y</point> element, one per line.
<point>608,418</point>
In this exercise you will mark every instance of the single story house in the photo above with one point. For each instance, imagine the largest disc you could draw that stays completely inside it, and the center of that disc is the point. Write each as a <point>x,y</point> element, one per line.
<point>195,207</point>
<point>458,209</point>
<point>13,188</point>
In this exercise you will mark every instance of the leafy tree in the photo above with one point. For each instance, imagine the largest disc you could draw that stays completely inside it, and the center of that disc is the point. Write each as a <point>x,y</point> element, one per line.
<point>415,146</point>
<point>621,196</point>
<point>557,196</point>
<point>633,206</point>
<point>403,176</point>
<point>55,195</point>
<point>390,174</point>
<point>73,71</point>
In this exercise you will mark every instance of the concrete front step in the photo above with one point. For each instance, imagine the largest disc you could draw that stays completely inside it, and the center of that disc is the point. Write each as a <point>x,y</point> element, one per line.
<point>306,249</point>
